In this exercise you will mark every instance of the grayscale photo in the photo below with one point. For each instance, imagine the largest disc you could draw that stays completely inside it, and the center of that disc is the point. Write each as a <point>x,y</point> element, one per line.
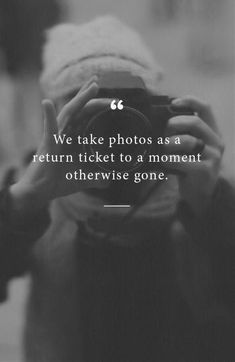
<point>117,181</point>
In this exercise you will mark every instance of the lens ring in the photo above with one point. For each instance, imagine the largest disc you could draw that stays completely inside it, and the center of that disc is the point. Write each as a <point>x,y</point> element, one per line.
<point>125,111</point>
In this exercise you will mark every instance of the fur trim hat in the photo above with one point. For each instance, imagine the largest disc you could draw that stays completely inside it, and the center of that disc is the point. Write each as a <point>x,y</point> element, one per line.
<point>73,53</point>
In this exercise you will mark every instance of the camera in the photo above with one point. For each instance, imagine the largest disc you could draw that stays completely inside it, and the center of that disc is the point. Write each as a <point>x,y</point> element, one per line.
<point>142,119</point>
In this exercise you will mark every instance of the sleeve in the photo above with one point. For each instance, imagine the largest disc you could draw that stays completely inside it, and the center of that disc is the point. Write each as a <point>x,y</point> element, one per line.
<point>16,241</point>
<point>215,232</point>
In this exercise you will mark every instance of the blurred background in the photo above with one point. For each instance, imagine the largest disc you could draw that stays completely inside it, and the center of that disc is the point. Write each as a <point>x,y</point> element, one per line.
<point>193,40</point>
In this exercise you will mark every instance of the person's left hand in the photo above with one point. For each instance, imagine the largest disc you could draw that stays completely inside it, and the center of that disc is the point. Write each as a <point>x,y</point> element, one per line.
<point>198,134</point>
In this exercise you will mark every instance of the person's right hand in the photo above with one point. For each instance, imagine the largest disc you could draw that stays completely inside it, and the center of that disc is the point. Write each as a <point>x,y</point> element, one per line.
<point>44,181</point>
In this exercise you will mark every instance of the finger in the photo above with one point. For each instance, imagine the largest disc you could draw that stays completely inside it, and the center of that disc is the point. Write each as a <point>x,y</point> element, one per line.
<point>81,98</point>
<point>180,168</point>
<point>187,145</point>
<point>193,126</point>
<point>203,109</point>
<point>210,157</point>
<point>50,121</point>
<point>76,104</point>
<point>92,108</point>
<point>93,79</point>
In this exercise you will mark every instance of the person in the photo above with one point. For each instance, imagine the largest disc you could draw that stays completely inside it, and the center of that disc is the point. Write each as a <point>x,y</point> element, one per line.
<point>161,287</point>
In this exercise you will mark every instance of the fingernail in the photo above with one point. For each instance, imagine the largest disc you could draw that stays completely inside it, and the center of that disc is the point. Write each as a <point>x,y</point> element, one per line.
<point>93,84</point>
<point>44,101</point>
<point>44,105</point>
<point>88,83</point>
<point>93,79</point>
<point>178,101</point>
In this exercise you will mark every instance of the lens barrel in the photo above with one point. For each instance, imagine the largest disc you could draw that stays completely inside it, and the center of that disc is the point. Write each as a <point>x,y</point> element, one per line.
<point>125,133</point>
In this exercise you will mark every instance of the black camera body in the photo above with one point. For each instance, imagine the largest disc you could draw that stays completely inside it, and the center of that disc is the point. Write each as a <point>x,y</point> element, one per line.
<point>144,115</point>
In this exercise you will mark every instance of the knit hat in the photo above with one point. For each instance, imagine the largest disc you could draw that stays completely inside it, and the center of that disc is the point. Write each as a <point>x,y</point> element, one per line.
<point>73,53</point>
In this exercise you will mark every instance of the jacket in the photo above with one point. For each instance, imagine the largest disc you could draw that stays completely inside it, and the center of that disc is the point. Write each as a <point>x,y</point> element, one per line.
<point>169,296</point>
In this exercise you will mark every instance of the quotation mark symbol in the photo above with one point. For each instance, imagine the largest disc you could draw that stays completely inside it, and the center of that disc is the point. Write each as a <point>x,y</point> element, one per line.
<point>116,105</point>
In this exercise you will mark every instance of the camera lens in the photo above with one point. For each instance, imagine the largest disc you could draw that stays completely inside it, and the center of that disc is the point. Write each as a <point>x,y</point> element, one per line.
<point>125,132</point>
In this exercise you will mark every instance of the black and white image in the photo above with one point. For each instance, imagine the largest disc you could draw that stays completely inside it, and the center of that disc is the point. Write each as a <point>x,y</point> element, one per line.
<point>117,190</point>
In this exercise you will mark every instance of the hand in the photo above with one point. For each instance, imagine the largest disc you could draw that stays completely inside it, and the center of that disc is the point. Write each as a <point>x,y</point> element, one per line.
<point>45,181</point>
<point>197,181</point>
